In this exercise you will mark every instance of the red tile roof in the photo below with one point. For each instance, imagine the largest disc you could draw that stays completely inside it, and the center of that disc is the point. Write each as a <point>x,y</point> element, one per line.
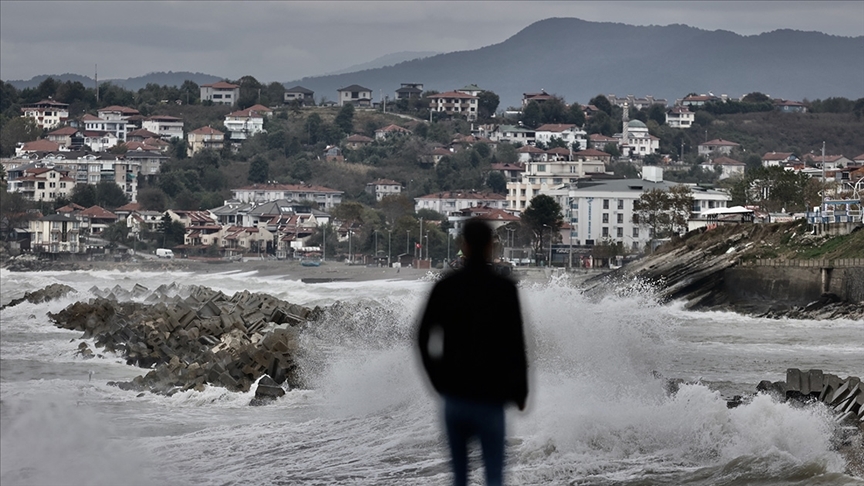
<point>507,167</point>
<point>385,182</point>
<point>592,153</point>
<point>464,195</point>
<point>393,128</point>
<point>132,206</point>
<point>122,109</point>
<point>98,212</point>
<point>596,137</point>
<point>453,94</point>
<point>720,141</point>
<point>777,155</point>
<point>64,131</point>
<point>41,146</point>
<point>142,132</point>
<point>723,161</point>
<point>554,127</point>
<point>558,151</point>
<point>529,149</point>
<point>356,138</point>
<point>220,85</point>
<point>206,131</point>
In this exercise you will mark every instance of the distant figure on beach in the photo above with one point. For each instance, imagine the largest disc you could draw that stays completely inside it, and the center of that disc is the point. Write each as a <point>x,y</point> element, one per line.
<point>473,349</point>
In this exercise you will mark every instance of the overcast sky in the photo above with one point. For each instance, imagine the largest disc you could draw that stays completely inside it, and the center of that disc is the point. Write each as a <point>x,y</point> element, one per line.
<point>283,41</point>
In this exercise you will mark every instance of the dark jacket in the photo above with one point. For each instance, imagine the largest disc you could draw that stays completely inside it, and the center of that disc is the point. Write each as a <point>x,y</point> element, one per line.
<point>484,347</point>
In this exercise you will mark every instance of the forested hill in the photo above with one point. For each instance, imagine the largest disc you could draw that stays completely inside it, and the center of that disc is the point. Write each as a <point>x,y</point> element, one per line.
<point>578,59</point>
<point>134,84</point>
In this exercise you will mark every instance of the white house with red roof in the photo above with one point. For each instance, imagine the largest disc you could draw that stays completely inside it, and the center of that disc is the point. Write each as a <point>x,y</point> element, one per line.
<point>494,217</point>
<point>47,113</point>
<point>356,141</point>
<point>95,219</point>
<point>543,175</point>
<point>599,141</point>
<point>36,146</point>
<point>204,138</point>
<point>164,126</point>
<point>221,93</point>
<point>680,117</point>
<point>56,233</point>
<point>530,153</point>
<point>243,124</point>
<point>829,161</point>
<point>570,134</point>
<point>454,103</point>
<point>381,188</point>
<point>447,202</point>
<point>324,197</point>
<point>717,146</point>
<point>788,106</point>
<point>538,97</point>
<point>67,137</point>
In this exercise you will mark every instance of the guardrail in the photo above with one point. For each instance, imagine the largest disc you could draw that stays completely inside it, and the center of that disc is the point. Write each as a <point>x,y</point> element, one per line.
<point>821,263</point>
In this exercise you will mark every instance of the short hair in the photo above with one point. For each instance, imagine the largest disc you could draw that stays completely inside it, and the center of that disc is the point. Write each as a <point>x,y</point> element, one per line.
<point>477,236</point>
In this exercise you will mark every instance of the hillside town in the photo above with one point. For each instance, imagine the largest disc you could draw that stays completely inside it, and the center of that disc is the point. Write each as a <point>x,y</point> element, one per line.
<point>563,184</point>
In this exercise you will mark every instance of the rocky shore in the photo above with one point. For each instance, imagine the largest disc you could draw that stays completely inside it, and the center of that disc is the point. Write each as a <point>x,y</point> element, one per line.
<point>192,336</point>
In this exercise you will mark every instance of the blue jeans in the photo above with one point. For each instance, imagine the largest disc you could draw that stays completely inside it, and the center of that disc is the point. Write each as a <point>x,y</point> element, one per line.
<point>466,419</point>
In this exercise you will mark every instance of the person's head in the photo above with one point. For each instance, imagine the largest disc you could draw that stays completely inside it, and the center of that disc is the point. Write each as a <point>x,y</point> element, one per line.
<point>476,240</point>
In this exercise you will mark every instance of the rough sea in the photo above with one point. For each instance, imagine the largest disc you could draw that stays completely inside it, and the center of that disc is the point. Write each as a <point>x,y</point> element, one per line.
<point>597,415</point>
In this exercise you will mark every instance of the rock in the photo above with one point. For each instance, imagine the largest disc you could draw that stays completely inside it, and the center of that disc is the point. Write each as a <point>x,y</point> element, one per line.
<point>51,292</point>
<point>267,391</point>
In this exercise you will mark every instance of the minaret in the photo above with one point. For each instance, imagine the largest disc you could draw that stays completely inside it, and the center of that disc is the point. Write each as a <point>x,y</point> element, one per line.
<point>625,133</point>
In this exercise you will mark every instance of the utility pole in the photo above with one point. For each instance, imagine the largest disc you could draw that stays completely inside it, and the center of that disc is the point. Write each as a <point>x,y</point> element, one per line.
<point>407,241</point>
<point>388,248</point>
<point>421,238</point>
<point>324,244</point>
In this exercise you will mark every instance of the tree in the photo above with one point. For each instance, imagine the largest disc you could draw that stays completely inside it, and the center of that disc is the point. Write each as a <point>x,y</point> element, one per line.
<point>651,210</point>
<point>657,113</point>
<point>531,115</point>
<point>173,232</point>
<point>395,206</point>
<point>602,103</point>
<point>600,123</point>
<point>109,195</point>
<point>542,214</point>
<point>487,103</point>
<point>497,182</point>
<point>345,118</point>
<point>576,115</point>
<point>84,195</point>
<point>152,199</point>
<point>756,97</point>
<point>506,154</point>
<point>116,233</point>
<point>13,212</point>
<point>18,129</point>
<point>680,205</point>
<point>259,170</point>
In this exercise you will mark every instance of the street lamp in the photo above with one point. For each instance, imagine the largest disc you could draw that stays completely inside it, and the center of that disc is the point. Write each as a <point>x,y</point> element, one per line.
<point>350,259</point>
<point>427,245</point>
<point>407,241</point>
<point>324,243</point>
<point>388,248</point>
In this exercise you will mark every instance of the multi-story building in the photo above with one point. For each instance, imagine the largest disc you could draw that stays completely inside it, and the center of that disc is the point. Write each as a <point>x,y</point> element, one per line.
<point>323,197</point>
<point>56,233</point>
<point>43,184</point>
<point>47,113</point>
<point>543,175</point>
<point>67,137</point>
<point>220,93</point>
<point>717,146</point>
<point>451,201</point>
<point>164,126</point>
<point>454,103</point>
<point>409,90</point>
<point>513,134</point>
<point>680,117</point>
<point>243,124</point>
<point>635,141</point>
<point>356,95</point>
<point>602,211</point>
<point>204,138</point>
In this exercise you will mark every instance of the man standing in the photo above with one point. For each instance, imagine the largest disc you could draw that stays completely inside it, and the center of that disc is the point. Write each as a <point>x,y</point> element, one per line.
<point>473,350</point>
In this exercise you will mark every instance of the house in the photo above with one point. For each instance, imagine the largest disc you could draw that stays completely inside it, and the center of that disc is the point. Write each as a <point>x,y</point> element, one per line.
<point>391,131</point>
<point>67,137</point>
<point>570,134</point>
<point>530,153</point>
<point>204,138</point>
<point>97,128</point>
<point>454,103</point>
<point>36,146</point>
<point>829,161</point>
<point>589,155</point>
<point>409,91</point>
<point>786,106</point>
<point>324,197</point>
<point>149,161</point>
<point>140,135</point>
<point>729,167</point>
<point>439,153</point>
<point>116,112</point>
<point>680,117</point>
<point>241,239</point>
<point>511,172</point>
<point>56,233</point>
<point>166,127</point>
<point>191,217</point>
<point>771,159</point>
<point>243,124</point>
<point>513,134</point>
<point>538,97</point>
<point>140,221</point>
<point>451,201</point>
<point>697,100</point>
<point>303,96</point>
<point>43,184</point>
<point>356,95</point>
<point>356,141</point>
<point>220,93</point>
<point>47,113</point>
<point>333,153</point>
<point>383,187</point>
<point>95,219</point>
<point>100,141</point>
<point>598,142</point>
<point>494,217</point>
<point>718,146</point>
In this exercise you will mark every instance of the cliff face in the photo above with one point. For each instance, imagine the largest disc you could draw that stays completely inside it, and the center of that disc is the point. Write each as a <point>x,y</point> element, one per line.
<point>756,269</point>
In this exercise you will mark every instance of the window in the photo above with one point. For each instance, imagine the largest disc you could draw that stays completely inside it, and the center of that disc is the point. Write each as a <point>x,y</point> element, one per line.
<point>52,185</point>
<point>620,204</point>
<point>40,185</point>
<point>620,233</point>
<point>635,232</point>
<point>217,96</point>
<point>541,168</point>
<point>620,218</point>
<point>605,204</point>
<point>605,232</point>
<point>605,217</point>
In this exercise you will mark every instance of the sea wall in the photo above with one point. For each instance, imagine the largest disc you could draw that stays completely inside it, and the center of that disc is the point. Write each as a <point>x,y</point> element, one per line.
<point>794,282</point>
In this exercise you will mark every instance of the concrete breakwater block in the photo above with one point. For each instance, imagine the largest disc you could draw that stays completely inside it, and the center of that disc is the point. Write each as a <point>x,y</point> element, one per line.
<point>50,292</point>
<point>843,395</point>
<point>192,336</point>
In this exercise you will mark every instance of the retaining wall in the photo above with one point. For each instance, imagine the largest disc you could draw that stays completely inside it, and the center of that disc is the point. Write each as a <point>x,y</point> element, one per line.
<point>794,282</point>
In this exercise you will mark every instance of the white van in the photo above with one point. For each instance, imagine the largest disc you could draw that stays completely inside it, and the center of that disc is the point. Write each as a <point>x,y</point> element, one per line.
<point>164,253</point>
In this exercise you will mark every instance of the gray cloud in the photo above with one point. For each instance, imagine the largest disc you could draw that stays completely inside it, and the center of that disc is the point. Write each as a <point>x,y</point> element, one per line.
<point>288,40</point>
